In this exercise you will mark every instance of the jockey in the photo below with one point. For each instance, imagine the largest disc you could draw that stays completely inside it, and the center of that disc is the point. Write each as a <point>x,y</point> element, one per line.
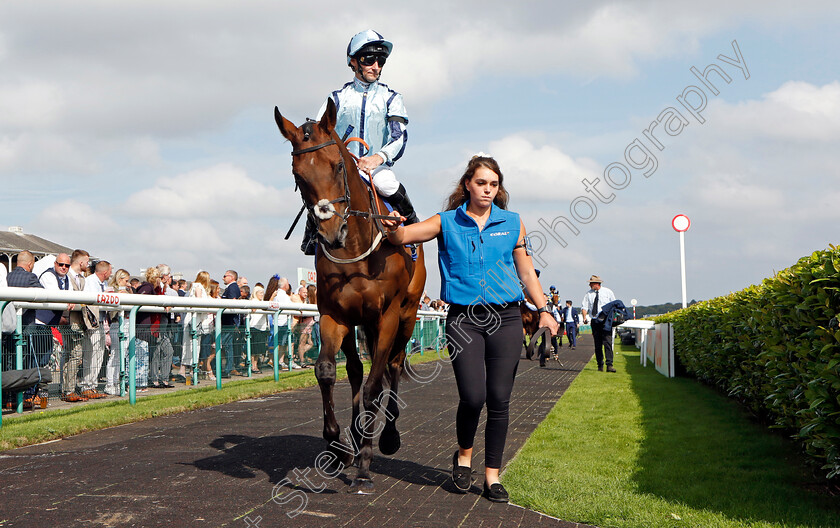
<point>370,110</point>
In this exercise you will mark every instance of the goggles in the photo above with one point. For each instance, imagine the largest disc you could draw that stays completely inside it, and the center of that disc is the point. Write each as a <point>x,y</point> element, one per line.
<point>369,59</point>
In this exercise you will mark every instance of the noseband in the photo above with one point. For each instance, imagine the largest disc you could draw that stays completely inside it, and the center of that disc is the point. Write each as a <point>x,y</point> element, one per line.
<point>324,209</point>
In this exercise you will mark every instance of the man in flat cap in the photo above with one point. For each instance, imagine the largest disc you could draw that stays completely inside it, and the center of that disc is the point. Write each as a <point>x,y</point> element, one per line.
<point>595,298</point>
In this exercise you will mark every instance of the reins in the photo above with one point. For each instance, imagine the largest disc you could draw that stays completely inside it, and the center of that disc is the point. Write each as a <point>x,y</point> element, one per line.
<point>346,198</point>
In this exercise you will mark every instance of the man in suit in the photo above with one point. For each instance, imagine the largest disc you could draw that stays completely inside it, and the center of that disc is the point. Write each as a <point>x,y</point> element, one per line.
<point>595,299</point>
<point>22,277</point>
<point>74,338</point>
<point>52,279</point>
<point>571,319</point>
<point>230,323</point>
<point>55,279</point>
<point>95,352</point>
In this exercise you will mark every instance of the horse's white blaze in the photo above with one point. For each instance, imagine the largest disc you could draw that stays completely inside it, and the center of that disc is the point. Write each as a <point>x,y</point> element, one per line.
<point>324,209</point>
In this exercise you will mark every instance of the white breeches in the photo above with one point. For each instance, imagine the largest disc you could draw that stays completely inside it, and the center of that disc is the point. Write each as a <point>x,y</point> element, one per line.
<point>385,181</point>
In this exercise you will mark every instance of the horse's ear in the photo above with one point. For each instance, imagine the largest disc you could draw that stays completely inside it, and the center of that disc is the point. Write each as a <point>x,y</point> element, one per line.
<point>328,119</point>
<point>287,128</point>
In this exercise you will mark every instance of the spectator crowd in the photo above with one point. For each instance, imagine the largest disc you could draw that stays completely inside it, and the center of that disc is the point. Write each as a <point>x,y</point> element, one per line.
<point>82,349</point>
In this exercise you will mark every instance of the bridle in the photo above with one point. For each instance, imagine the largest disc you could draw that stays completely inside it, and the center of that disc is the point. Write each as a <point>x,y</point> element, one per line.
<point>324,210</point>
<point>322,204</point>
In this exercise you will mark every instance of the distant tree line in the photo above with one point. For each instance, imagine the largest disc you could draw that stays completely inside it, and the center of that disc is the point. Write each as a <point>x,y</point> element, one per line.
<point>658,309</point>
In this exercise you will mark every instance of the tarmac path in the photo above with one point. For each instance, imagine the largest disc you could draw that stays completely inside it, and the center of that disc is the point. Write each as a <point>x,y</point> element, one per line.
<point>251,464</point>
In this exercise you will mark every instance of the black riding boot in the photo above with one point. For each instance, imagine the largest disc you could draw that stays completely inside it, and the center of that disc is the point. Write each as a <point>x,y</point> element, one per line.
<point>310,237</point>
<point>400,201</point>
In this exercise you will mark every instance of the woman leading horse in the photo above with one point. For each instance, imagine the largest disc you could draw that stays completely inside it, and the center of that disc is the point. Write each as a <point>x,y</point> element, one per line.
<point>482,257</point>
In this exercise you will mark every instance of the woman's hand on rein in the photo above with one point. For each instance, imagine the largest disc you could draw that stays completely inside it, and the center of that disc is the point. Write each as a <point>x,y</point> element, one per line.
<point>392,224</point>
<point>548,320</point>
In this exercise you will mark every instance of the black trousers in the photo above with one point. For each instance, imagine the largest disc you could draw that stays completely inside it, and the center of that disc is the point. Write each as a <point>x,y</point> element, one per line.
<point>603,339</point>
<point>485,343</point>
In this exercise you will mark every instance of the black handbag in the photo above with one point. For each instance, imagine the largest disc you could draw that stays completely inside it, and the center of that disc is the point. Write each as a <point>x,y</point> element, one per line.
<point>91,319</point>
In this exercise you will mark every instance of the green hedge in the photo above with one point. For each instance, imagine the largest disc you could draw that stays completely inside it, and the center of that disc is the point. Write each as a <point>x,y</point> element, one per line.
<point>776,348</point>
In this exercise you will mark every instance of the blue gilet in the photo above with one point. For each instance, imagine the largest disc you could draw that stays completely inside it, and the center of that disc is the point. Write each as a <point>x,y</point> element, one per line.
<point>476,267</point>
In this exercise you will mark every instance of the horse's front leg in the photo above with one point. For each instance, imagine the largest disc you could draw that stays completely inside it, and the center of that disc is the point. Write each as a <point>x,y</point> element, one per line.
<point>332,335</point>
<point>389,440</point>
<point>371,397</point>
<point>355,375</point>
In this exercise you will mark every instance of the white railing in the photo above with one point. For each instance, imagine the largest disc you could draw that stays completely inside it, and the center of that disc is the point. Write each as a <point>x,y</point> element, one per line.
<point>40,295</point>
<point>38,298</point>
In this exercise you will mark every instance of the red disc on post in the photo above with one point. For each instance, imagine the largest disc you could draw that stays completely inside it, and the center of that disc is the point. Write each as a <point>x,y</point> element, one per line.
<point>680,223</point>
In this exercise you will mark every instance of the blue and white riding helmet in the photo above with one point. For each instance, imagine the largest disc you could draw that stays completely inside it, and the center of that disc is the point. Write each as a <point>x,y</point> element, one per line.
<point>370,41</point>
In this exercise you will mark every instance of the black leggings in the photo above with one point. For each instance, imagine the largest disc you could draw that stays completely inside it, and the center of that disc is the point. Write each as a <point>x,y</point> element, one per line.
<point>486,342</point>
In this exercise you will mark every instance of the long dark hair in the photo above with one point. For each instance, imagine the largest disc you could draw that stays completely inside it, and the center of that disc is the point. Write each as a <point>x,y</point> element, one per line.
<point>273,284</point>
<point>460,195</point>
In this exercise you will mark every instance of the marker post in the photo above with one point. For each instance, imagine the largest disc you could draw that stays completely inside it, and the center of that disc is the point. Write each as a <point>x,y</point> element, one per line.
<point>681,223</point>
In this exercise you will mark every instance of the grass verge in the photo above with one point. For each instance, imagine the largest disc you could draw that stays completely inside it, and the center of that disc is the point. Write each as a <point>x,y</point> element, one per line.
<point>636,449</point>
<point>33,428</point>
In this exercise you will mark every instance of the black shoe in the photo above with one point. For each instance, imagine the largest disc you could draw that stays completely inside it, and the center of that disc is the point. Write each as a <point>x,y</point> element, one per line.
<point>400,202</point>
<point>610,368</point>
<point>310,237</point>
<point>495,493</point>
<point>226,375</point>
<point>165,385</point>
<point>461,475</point>
<point>600,368</point>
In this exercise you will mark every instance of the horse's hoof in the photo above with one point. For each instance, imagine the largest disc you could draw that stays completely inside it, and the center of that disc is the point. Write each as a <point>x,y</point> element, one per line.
<point>361,486</point>
<point>389,443</point>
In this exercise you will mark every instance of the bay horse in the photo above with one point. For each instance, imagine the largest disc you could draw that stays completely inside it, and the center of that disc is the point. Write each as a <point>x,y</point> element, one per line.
<point>362,280</point>
<point>530,326</point>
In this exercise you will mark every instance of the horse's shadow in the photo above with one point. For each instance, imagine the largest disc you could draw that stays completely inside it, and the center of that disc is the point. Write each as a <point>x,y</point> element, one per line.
<point>290,460</point>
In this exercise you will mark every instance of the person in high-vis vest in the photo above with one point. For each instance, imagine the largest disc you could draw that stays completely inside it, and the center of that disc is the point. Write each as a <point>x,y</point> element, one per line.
<point>370,110</point>
<point>482,257</point>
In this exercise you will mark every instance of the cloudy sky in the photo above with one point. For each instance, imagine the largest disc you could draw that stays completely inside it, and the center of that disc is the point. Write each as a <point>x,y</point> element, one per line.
<point>143,131</point>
